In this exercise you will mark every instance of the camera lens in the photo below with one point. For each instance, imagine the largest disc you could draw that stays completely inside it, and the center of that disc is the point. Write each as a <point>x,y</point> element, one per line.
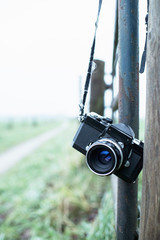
<point>104,157</point>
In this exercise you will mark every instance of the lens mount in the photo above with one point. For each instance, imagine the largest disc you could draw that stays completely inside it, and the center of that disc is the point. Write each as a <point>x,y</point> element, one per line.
<point>104,157</point>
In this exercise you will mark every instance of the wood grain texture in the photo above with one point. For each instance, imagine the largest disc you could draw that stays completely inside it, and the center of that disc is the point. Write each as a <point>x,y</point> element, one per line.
<point>150,207</point>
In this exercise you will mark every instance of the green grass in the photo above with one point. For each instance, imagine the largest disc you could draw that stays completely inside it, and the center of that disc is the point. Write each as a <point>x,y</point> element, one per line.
<point>52,195</point>
<point>12,133</point>
<point>103,227</point>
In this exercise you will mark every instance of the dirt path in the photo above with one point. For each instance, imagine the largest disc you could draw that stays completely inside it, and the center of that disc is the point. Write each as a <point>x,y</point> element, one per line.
<point>15,154</point>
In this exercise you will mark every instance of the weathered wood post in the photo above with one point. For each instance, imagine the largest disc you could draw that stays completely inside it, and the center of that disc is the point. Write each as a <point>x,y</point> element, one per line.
<point>150,206</point>
<point>128,109</point>
<point>97,88</point>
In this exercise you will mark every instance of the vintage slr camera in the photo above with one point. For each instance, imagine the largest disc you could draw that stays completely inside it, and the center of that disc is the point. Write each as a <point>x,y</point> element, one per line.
<point>109,148</point>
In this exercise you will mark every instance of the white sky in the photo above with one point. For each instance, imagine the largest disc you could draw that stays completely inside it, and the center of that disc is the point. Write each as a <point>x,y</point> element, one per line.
<point>44,49</point>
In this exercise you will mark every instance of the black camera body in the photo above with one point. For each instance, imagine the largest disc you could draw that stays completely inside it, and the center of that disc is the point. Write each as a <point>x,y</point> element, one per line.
<point>109,148</point>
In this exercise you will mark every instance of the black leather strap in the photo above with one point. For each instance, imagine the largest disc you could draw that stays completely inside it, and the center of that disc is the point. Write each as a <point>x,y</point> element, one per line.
<point>143,59</point>
<point>88,77</point>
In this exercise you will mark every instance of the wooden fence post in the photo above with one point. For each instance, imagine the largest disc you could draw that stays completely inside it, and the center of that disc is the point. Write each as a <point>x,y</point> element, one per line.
<point>150,206</point>
<point>97,88</point>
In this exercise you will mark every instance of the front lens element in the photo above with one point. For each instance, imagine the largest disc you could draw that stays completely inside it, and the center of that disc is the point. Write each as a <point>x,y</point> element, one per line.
<point>104,157</point>
<point>101,160</point>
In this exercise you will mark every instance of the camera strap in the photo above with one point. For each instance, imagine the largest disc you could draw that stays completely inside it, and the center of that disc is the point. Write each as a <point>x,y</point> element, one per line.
<point>143,59</point>
<point>88,77</point>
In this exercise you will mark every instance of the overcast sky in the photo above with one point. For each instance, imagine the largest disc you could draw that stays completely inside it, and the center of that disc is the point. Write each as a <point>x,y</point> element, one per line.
<point>44,49</point>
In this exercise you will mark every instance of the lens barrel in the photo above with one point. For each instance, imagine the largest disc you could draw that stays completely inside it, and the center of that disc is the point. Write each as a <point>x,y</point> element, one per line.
<point>104,157</point>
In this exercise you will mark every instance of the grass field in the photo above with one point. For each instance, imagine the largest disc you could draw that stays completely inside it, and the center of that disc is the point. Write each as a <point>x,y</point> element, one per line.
<point>12,133</point>
<point>51,195</point>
